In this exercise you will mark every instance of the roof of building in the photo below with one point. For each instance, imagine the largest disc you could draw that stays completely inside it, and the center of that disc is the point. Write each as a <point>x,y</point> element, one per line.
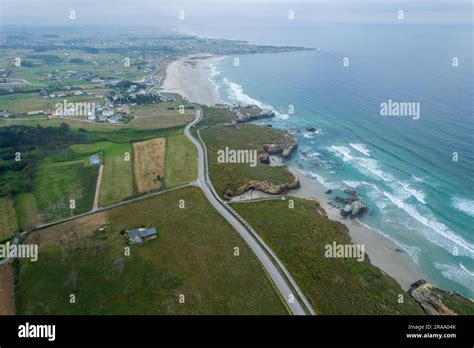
<point>94,159</point>
<point>137,235</point>
<point>147,233</point>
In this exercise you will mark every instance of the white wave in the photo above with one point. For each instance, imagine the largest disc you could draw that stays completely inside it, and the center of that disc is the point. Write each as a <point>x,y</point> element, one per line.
<point>436,226</point>
<point>419,195</point>
<point>463,205</point>
<point>320,179</point>
<point>352,184</point>
<point>236,94</point>
<point>465,269</point>
<point>341,151</point>
<point>371,166</point>
<point>417,179</point>
<point>457,274</point>
<point>367,166</point>
<point>308,135</point>
<point>361,148</point>
<point>412,251</point>
<point>376,196</point>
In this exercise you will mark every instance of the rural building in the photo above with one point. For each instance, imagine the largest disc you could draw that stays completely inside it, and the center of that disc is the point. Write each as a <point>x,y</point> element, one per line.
<point>94,160</point>
<point>140,235</point>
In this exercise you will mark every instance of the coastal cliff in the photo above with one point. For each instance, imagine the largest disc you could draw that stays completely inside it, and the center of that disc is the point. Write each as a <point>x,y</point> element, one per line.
<point>263,186</point>
<point>435,301</point>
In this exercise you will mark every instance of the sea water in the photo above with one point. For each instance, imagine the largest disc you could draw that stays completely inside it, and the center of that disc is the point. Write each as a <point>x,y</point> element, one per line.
<point>415,174</point>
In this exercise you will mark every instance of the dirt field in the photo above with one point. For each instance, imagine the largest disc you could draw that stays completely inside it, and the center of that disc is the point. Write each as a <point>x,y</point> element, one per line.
<point>68,231</point>
<point>149,164</point>
<point>7,304</point>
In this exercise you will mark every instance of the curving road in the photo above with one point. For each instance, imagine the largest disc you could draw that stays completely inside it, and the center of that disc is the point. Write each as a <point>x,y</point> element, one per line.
<point>285,284</point>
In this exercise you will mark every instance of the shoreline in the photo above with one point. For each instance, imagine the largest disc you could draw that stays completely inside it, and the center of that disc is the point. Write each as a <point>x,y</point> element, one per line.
<point>189,77</point>
<point>383,253</point>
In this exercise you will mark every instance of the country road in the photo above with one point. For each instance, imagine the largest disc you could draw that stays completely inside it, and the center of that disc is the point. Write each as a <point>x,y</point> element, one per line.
<point>285,284</point>
<point>97,188</point>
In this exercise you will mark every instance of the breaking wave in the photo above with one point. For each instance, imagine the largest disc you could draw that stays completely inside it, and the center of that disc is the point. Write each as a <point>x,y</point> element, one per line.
<point>467,249</point>
<point>238,96</point>
<point>463,205</point>
<point>361,148</point>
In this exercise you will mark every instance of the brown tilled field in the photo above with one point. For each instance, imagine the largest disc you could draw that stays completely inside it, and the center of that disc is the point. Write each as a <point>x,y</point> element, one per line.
<point>68,231</point>
<point>7,304</point>
<point>149,164</point>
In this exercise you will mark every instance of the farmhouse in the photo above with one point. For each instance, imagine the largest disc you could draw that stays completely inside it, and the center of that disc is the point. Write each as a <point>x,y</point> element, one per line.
<point>94,160</point>
<point>140,235</point>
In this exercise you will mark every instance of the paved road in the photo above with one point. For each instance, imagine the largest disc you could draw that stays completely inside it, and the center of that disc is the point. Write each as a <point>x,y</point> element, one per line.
<point>280,276</point>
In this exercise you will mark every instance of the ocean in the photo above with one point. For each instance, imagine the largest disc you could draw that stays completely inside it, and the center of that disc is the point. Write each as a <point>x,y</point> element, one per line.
<point>415,171</point>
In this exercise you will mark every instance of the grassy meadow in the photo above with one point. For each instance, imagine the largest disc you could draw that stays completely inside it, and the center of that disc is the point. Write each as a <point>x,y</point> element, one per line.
<point>196,260</point>
<point>181,161</point>
<point>8,222</point>
<point>332,285</point>
<point>241,137</point>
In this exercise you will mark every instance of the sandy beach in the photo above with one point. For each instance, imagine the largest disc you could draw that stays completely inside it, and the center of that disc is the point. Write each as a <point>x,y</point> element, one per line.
<point>383,253</point>
<point>189,77</point>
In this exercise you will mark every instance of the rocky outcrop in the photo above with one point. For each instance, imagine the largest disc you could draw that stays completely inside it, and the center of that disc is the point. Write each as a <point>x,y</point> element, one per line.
<point>265,158</point>
<point>263,186</point>
<point>351,206</point>
<point>285,150</point>
<point>355,209</point>
<point>425,294</point>
<point>251,113</point>
<point>311,129</point>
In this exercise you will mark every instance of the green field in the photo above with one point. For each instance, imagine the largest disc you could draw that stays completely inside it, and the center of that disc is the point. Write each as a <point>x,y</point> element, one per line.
<point>104,69</point>
<point>332,285</point>
<point>242,137</point>
<point>26,210</point>
<point>213,116</point>
<point>181,161</point>
<point>162,115</point>
<point>195,260</point>
<point>26,102</point>
<point>8,223</point>
<point>117,178</point>
<point>56,183</point>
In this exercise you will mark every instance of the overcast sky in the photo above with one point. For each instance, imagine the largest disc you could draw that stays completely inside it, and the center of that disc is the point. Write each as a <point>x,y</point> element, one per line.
<point>158,13</point>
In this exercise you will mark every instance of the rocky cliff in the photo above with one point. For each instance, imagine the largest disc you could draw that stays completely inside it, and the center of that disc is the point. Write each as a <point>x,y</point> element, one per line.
<point>263,186</point>
<point>435,301</point>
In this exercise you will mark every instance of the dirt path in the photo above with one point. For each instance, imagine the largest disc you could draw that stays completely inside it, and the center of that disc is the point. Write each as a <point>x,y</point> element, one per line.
<point>7,304</point>
<point>97,188</point>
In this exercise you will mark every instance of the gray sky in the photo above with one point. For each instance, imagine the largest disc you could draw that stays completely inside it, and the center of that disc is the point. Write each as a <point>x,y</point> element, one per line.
<point>158,13</point>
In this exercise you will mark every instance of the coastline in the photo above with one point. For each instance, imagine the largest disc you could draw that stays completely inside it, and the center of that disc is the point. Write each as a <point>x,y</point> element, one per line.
<point>189,77</point>
<point>383,253</point>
